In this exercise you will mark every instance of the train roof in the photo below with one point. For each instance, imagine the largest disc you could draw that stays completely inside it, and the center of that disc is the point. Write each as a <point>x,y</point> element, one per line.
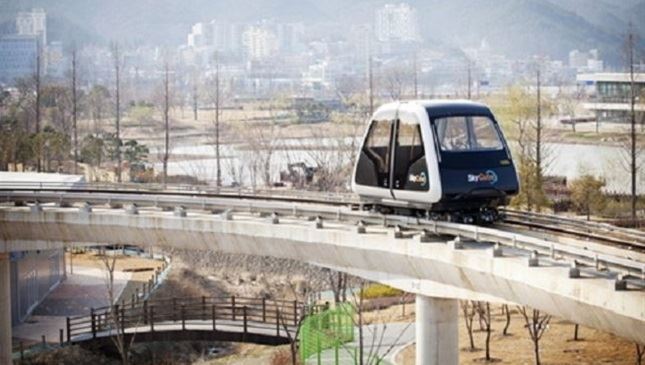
<point>442,107</point>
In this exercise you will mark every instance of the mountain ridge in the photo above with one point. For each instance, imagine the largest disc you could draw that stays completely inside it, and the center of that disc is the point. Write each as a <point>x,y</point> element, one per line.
<point>516,28</point>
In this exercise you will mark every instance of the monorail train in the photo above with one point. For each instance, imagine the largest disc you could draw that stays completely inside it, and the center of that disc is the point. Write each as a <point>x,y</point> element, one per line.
<point>446,159</point>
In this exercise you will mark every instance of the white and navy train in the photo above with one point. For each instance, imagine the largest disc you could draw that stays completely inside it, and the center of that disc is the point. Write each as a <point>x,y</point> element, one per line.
<point>445,159</point>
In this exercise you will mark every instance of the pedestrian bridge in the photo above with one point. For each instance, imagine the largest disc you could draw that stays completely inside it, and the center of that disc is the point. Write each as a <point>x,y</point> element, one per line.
<point>407,253</point>
<point>232,319</point>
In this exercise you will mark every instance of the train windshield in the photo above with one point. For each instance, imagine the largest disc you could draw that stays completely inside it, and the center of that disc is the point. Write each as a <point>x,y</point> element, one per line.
<point>467,133</point>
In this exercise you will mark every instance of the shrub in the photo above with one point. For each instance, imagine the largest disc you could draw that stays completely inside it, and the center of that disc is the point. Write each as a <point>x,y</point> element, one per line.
<point>379,291</point>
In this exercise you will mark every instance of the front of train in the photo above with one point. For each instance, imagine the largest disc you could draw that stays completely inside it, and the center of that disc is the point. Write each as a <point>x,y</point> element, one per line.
<point>475,165</point>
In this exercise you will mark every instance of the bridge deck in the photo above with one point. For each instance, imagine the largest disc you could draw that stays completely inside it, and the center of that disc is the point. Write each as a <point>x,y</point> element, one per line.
<point>225,330</point>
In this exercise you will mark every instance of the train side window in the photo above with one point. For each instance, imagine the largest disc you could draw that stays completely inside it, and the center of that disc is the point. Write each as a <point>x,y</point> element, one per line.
<point>410,167</point>
<point>377,149</point>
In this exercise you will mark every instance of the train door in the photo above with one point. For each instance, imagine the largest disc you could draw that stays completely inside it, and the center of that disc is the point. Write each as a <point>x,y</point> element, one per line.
<point>373,168</point>
<point>410,177</point>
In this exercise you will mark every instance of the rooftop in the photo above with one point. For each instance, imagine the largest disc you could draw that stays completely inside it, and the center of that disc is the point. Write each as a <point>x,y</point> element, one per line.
<point>610,77</point>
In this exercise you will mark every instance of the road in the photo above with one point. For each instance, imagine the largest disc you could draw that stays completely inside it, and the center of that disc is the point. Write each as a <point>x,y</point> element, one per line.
<point>382,340</point>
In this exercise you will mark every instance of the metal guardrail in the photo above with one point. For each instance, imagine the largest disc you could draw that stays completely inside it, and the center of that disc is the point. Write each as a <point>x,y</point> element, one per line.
<point>622,264</point>
<point>247,314</point>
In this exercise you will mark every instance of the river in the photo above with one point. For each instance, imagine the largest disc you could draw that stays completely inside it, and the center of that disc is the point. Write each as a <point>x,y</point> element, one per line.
<point>561,159</point>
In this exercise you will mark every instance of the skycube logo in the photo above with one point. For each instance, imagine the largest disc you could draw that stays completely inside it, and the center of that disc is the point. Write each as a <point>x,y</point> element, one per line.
<point>420,179</point>
<point>489,176</point>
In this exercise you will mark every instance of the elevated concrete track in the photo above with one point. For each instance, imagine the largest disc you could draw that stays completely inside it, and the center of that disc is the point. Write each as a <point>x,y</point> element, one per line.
<point>588,287</point>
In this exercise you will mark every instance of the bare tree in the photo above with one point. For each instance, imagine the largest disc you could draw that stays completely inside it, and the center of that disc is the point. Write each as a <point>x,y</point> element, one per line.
<point>469,311</point>
<point>507,312</point>
<point>576,329</point>
<point>195,95</point>
<point>469,78</point>
<point>263,139</point>
<point>166,119</point>
<point>338,285</point>
<point>568,101</point>
<point>367,353</point>
<point>216,99</point>
<point>415,70</point>
<point>334,160</point>
<point>630,46</point>
<point>536,323</point>
<point>74,107</point>
<point>538,133</point>
<point>521,112</point>
<point>485,309</point>
<point>395,80</point>
<point>370,86</point>
<point>37,80</point>
<point>640,353</point>
<point>116,57</point>
<point>97,99</point>
<point>109,265</point>
<point>299,296</point>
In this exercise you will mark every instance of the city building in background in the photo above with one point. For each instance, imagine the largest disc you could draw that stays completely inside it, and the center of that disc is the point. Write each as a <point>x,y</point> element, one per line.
<point>396,23</point>
<point>17,57</point>
<point>259,43</point>
<point>611,94</point>
<point>33,23</point>
<point>18,51</point>
<point>586,61</point>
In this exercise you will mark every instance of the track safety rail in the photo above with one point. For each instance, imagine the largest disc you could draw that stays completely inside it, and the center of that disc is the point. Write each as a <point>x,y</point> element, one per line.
<point>276,207</point>
<point>593,230</point>
<point>300,195</point>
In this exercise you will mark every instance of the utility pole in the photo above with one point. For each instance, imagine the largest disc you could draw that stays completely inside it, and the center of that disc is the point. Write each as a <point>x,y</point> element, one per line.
<point>38,67</point>
<point>74,109</point>
<point>117,72</point>
<point>217,106</point>
<point>166,107</point>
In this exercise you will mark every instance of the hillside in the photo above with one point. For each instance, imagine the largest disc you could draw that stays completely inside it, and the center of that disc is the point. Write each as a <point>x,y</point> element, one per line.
<point>517,28</point>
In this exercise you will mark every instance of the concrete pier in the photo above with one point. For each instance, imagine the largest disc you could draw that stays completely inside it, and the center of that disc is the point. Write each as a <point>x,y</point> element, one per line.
<point>437,334</point>
<point>5,310</point>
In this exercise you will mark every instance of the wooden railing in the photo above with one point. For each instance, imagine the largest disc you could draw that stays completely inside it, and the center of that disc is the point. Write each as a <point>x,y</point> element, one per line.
<point>247,315</point>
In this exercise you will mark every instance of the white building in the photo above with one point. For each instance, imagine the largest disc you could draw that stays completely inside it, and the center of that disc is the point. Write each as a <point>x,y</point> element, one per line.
<point>611,98</point>
<point>259,42</point>
<point>396,22</point>
<point>201,35</point>
<point>33,23</point>
<point>586,61</point>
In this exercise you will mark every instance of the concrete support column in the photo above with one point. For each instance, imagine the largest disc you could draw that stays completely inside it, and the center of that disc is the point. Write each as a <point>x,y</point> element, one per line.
<point>5,310</point>
<point>437,335</point>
